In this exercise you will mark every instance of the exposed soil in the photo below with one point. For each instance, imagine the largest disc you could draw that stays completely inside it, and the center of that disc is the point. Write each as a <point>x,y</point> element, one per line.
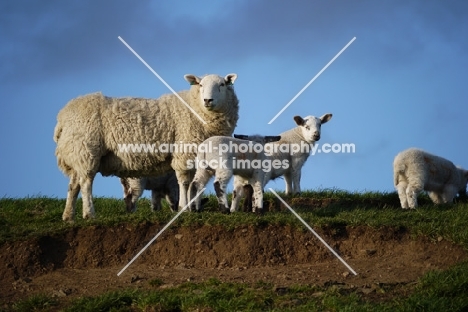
<point>85,262</point>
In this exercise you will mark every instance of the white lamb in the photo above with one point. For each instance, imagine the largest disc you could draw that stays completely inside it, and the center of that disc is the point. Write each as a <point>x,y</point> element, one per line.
<point>224,157</point>
<point>91,131</point>
<point>164,186</point>
<point>293,149</point>
<point>415,170</point>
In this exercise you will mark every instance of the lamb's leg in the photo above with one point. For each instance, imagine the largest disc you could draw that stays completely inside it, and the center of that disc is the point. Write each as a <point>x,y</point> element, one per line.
<point>156,197</point>
<point>296,181</point>
<point>436,197</point>
<point>258,197</point>
<point>199,182</point>
<point>449,194</point>
<point>87,197</point>
<point>133,195</point>
<point>220,186</point>
<point>237,194</point>
<point>288,184</point>
<point>248,198</point>
<point>401,188</point>
<point>72,195</point>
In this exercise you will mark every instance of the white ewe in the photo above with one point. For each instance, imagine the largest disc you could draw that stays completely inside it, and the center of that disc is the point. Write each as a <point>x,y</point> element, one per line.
<point>224,157</point>
<point>415,170</point>
<point>91,131</point>
<point>293,150</point>
<point>164,186</point>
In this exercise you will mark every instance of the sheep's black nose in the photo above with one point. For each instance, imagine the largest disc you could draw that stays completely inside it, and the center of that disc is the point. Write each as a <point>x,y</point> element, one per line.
<point>208,102</point>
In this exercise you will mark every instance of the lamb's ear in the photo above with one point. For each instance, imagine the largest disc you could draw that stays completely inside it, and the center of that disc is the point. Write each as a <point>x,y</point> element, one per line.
<point>192,79</point>
<point>326,118</point>
<point>230,78</point>
<point>241,136</point>
<point>299,121</point>
<point>272,138</point>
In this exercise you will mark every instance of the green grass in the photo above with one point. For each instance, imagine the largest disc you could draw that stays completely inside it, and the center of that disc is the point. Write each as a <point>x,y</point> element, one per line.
<point>437,291</point>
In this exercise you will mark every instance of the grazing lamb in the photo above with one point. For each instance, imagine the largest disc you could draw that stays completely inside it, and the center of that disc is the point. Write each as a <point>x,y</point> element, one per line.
<point>293,150</point>
<point>415,170</point>
<point>162,186</point>
<point>223,157</point>
<point>93,133</point>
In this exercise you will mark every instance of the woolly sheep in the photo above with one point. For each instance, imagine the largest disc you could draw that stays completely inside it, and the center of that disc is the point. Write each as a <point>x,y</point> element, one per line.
<point>91,129</point>
<point>284,151</point>
<point>415,170</point>
<point>164,186</point>
<point>219,158</point>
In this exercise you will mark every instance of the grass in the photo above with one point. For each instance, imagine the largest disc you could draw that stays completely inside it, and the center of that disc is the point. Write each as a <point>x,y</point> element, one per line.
<point>36,216</point>
<point>437,291</point>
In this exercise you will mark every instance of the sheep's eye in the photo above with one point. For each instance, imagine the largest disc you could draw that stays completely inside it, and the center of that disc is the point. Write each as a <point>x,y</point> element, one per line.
<point>222,84</point>
<point>200,85</point>
<point>307,128</point>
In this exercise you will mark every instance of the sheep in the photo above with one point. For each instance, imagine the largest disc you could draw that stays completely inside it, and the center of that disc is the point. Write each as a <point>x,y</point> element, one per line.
<point>291,151</point>
<point>162,186</point>
<point>415,170</point>
<point>92,131</point>
<point>219,156</point>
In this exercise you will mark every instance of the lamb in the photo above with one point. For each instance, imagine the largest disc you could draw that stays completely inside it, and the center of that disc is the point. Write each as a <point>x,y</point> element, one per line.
<point>224,157</point>
<point>292,151</point>
<point>93,133</point>
<point>162,186</point>
<point>415,170</point>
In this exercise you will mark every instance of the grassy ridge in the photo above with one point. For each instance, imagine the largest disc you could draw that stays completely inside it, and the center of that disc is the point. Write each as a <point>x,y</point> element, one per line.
<point>35,216</point>
<point>437,291</point>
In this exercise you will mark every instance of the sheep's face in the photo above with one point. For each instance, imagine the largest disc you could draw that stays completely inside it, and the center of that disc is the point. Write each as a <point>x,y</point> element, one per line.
<point>311,126</point>
<point>213,89</point>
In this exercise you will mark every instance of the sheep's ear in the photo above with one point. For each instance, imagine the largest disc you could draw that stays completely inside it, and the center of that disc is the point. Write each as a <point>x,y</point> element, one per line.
<point>241,136</point>
<point>272,138</point>
<point>326,118</point>
<point>192,79</point>
<point>299,121</point>
<point>230,78</point>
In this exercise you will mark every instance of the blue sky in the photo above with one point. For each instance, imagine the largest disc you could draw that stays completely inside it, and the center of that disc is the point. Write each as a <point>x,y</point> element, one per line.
<point>402,83</point>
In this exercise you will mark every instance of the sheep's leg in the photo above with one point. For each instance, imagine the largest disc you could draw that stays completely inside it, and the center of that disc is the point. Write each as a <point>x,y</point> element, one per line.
<point>237,194</point>
<point>87,197</point>
<point>412,196</point>
<point>401,188</point>
<point>184,179</point>
<point>72,195</point>
<point>288,183</point>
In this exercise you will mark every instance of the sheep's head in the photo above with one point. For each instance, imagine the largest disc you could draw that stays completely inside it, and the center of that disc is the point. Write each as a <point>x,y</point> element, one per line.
<point>213,89</point>
<point>311,126</point>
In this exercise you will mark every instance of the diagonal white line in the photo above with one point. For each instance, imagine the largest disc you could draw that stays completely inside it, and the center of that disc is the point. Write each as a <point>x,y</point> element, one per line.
<point>310,82</point>
<point>160,232</point>
<point>160,78</point>
<point>313,232</point>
